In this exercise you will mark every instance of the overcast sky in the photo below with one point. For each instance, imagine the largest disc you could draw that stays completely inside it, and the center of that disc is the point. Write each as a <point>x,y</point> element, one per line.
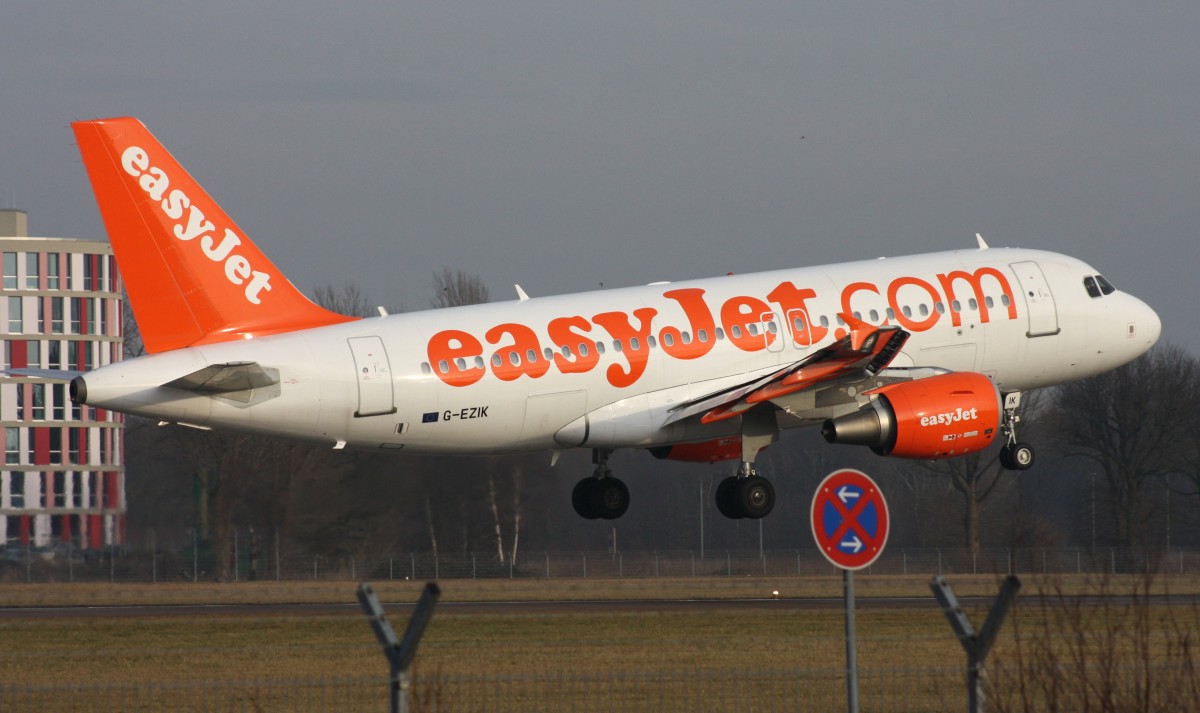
<point>566,144</point>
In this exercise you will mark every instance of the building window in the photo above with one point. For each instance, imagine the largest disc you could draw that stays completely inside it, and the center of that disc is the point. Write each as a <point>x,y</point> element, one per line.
<point>89,272</point>
<point>77,304</point>
<point>10,271</point>
<point>56,315</point>
<point>15,322</point>
<point>39,402</point>
<point>56,445</point>
<point>58,405</point>
<point>31,271</point>
<point>12,445</point>
<point>16,489</point>
<point>52,271</point>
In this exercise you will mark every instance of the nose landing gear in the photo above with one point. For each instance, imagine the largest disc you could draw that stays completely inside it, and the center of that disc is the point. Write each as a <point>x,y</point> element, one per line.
<point>1014,455</point>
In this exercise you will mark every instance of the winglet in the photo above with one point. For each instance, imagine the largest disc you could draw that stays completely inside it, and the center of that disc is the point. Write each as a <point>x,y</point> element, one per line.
<point>191,274</point>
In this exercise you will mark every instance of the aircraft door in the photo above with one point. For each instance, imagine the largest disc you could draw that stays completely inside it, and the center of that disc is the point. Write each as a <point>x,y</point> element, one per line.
<point>771,329</point>
<point>798,328</point>
<point>374,377</point>
<point>1043,315</point>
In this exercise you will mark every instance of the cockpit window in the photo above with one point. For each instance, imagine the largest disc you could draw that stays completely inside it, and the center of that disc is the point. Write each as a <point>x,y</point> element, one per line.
<point>1097,286</point>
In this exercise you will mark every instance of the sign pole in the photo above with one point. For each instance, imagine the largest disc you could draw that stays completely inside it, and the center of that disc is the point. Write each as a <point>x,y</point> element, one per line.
<point>851,645</point>
<point>850,523</point>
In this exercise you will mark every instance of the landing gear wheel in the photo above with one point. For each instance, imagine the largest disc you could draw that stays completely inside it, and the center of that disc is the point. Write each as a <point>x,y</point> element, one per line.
<point>1018,456</point>
<point>609,498</point>
<point>725,503</point>
<point>581,499</point>
<point>754,497</point>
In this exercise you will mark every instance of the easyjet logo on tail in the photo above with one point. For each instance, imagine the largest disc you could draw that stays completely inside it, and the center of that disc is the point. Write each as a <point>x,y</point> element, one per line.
<point>191,223</point>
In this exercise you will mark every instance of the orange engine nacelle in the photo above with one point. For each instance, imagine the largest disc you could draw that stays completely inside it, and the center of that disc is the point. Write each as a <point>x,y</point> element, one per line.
<point>718,449</point>
<point>937,417</point>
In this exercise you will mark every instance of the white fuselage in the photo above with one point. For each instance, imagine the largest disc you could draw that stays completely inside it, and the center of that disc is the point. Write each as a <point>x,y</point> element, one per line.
<point>496,377</point>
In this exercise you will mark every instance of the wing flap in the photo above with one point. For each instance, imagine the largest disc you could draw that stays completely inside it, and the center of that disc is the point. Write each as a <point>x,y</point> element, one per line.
<point>862,353</point>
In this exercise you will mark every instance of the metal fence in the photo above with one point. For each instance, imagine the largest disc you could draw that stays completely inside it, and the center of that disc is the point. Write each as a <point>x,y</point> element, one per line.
<point>117,565</point>
<point>745,691</point>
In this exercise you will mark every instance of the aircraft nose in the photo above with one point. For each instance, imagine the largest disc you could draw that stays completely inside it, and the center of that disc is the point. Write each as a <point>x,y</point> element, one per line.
<point>1146,327</point>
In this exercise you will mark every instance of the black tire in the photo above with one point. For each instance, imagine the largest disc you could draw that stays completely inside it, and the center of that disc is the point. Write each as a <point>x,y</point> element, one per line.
<point>1021,456</point>
<point>1006,458</point>
<point>581,499</point>
<point>610,498</point>
<point>724,498</point>
<point>754,497</point>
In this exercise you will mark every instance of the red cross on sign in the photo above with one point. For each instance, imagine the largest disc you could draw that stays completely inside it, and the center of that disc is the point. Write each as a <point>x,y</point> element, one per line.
<point>849,519</point>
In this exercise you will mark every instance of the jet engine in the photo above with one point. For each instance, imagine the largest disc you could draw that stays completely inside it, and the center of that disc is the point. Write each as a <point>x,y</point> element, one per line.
<point>936,417</point>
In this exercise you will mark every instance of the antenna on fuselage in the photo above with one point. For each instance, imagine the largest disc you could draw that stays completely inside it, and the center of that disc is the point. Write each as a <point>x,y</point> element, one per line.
<point>982,244</point>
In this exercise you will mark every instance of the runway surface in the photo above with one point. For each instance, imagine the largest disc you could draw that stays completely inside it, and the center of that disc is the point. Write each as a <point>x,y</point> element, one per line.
<point>528,607</point>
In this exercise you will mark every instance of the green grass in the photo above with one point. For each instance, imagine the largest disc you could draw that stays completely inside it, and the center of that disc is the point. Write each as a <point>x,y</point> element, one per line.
<point>105,650</point>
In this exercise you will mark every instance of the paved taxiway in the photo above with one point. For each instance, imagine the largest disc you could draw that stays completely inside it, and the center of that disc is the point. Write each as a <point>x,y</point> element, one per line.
<point>525,607</point>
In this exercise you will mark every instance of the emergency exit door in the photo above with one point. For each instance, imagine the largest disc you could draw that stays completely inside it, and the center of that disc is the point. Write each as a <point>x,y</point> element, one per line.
<point>374,377</point>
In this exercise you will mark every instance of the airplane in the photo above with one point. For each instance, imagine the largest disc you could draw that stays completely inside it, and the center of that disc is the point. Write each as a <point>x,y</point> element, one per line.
<point>921,357</point>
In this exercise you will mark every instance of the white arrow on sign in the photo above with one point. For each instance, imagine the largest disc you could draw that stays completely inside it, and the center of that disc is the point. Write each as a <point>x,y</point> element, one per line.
<point>854,544</point>
<point>846,493</point>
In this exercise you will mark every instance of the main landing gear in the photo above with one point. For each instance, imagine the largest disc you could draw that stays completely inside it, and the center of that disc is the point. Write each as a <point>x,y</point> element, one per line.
<point>748,494</point>
<point>600,495</point>
<point>1014,455</point>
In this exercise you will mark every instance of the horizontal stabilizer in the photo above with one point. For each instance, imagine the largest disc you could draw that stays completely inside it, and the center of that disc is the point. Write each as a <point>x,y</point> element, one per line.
<point>227,378</point>
<point>52,374</point>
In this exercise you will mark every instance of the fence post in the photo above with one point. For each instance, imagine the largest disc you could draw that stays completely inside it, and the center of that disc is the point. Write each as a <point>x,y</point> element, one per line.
<point>584,556</point>
<point>977,645</point>
<point>391,572</point>
<point>235,555</point>
<point>728,564</point>
<point>399,653</point>
<point>547,564</point>
<point>276,555</point>
<point>414,565</point>
<point>315,558</point>
<point>195,556</point>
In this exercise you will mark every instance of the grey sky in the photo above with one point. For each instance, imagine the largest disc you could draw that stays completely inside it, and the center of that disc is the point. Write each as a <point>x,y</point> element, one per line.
<point>561,145</point>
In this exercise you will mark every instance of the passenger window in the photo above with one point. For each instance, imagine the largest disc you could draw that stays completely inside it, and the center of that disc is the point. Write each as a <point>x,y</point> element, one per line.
<point>497,360</point>
<point>874,315</point>
<point>924,310</point>
<point>583,350</point>
<point>989,302</point>
<point>702,335</point>
<point>907,311</point>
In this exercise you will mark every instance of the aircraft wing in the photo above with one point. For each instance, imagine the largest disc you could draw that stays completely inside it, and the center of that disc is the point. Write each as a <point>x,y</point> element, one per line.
<point>52,374</point>
<point>862,353</point>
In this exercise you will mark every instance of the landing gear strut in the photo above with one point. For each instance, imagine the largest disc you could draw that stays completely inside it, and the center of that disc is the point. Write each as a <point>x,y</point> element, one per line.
<point>1014,455</point>
<point>600,495</point>
<point>748,494</point>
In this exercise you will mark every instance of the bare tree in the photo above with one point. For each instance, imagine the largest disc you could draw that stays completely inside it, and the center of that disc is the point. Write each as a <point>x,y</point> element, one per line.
<point>454,288</point>
<point>1131,422</point>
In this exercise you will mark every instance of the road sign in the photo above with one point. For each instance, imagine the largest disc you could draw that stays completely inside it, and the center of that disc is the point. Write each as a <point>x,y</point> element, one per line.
<point>849,519</point>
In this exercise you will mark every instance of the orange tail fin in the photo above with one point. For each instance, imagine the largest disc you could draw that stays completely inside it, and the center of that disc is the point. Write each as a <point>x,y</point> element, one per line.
<point>192,275</point>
